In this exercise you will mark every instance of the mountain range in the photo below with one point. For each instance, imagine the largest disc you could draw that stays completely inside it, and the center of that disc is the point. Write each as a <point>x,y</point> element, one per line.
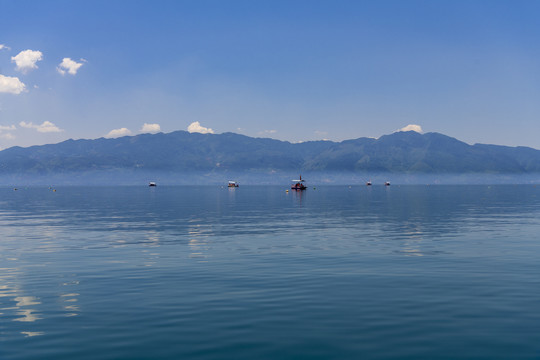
<point>183,157</point>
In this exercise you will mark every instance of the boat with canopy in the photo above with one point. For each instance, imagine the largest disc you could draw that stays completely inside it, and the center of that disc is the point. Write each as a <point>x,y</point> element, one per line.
<point>299,184</point>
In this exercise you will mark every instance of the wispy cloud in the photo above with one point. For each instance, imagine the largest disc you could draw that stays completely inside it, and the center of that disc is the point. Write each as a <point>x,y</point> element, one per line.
<point>195,127</point>
<point>26,60</point>
<point>7,136</point>
<point>4,47</point>
<point>11,85</point>
<point>45,127</point>
<point>150,128</point>
<point>70,66</point>
<point>411,127</point>
<point>7,128</point>
<point>118,133</point>
<point>267,132</point>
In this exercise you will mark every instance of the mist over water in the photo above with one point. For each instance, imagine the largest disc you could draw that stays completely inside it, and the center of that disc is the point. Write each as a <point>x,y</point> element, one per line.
<point>121,177</point>
<point>207,272</point>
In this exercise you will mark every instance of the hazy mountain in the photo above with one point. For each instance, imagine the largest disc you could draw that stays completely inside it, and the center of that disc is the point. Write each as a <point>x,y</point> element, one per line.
<point>192,154</point>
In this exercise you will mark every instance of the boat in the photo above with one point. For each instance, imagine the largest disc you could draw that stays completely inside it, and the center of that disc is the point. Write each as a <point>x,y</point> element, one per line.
<point>233,184</point>
<point>387,183</point>
<point>299,184</point>
<point>152,183</point>
<point>368,183</point>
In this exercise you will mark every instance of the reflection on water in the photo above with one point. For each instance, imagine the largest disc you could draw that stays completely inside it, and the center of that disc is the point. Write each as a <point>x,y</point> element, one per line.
<point>152,241</point>
<point>297,195</point>
<point>69,300</point>
<point>413,237</point>
<point>18,307</point>
<point>260,273</point>
<point>198,234</point>
<point>26,301</point>
<point>28,315</point>
<point>31,333</point>
<point>153,237</point>
<point>198,247</point>
<point>15,303</point>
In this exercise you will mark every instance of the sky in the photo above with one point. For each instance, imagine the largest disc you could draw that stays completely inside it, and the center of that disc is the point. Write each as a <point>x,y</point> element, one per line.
<point>289,70</point>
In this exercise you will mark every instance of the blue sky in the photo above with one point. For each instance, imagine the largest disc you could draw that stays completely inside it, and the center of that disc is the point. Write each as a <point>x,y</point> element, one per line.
<point>290,70</point>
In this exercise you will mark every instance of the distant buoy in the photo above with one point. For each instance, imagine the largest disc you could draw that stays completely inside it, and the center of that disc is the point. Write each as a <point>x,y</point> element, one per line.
<point>54,190</point>
<point>285,190</point>
<point>314,188</point>
<point>15,189</point>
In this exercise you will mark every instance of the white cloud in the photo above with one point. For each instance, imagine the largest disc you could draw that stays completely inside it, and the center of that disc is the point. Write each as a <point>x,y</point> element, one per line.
<point>26,60</point>
<point>195,127</point>
<point>11,85</point>
<point>150,128</point>
<point>7,128</point>
<point>7,136</point>
<point>70,66</point>
<point>45,127</point>
<point>267,132</point>
<point>118,132</point>
<point>4,47</point>
<point>411,127</point>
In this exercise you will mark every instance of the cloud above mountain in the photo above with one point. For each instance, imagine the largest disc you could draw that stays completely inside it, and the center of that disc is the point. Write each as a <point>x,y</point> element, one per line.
<point>7,135</point>
<point>411,127</point>
<point>118,133</point>
<point>45,127</point>
<point>196,127</point>
<point>267,132</point>
<point>150,128</point>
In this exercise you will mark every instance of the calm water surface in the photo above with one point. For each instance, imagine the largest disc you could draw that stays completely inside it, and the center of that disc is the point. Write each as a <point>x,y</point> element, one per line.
<point>403,272</point>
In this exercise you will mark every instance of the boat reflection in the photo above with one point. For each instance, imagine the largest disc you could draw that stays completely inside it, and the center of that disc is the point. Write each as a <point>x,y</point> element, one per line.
<point>298,196</point>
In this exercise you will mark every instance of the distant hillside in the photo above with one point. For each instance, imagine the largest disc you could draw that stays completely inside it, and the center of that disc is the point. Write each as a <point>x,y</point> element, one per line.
<point>180,152</point>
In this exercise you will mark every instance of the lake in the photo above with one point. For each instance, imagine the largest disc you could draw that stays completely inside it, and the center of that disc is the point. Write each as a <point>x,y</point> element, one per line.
<point>207,272</point>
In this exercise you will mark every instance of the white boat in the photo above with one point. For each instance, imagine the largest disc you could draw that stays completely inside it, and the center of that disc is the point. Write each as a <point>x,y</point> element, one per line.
<point>152,183</point>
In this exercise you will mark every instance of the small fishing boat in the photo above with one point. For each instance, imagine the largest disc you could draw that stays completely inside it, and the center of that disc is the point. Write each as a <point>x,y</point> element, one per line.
<point>368,183</point>
<point>387,183</point>
<point>299,184</point>
<point>152,183</point>
<point>233,184</point>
